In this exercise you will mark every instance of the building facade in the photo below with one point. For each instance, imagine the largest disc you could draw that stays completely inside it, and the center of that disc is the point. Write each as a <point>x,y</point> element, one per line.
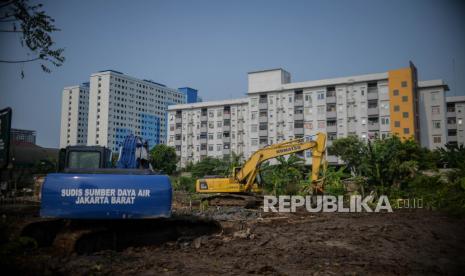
<point>217,129</point>
<point>120,105</point>
<point>456,120</point>
<point>74,115</point>
<point>23,135</point>
<point>369,106</point>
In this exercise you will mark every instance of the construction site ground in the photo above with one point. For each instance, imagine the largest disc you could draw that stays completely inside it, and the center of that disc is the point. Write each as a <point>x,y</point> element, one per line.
<point>251,242</point>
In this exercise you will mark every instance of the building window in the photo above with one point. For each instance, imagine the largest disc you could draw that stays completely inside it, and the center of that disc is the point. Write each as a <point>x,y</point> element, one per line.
<point>436,139</point>
<point>404,114</point>
<point>435,109</point>
<point>405,99</point>
<point>434,96</point>
<point>396,123</point>
<point>403,84</point>
<point>406,130</point>
<point>437,124</point>
<point>385,121</point>
<point>321,96</point>
<point>396,92</point>
<point>396,108</point>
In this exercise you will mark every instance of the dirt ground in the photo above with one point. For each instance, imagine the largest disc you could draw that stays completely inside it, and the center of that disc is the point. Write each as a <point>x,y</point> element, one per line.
<point>255,243</point>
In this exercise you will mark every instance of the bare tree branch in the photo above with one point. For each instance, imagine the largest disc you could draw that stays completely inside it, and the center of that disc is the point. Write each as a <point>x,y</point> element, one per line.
<point>20,61</point>
<point>10,31</point>
<point>6,4</point>
<point>8,20</point>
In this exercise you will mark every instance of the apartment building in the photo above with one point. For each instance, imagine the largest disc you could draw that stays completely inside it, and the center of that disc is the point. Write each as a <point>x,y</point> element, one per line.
<point>120,105</point>
<point>23,135</point>
<point>215,129</point>
<point>369,106</point>
<point>456,120</point>
<point>74,115</point>
<point>432,113</point>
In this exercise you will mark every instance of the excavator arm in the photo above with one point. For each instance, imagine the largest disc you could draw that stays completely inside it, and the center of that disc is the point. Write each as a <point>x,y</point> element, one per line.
<point>247,174</point>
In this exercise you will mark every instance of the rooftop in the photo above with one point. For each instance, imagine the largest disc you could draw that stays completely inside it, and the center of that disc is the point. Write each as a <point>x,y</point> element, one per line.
<point>208,104</point>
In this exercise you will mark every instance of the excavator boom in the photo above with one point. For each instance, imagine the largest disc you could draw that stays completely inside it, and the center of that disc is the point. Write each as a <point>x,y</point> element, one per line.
<point>244,180</point>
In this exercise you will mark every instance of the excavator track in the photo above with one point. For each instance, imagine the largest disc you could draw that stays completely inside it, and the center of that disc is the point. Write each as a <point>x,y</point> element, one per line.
<point>86,236</point>
<point>249,201</point>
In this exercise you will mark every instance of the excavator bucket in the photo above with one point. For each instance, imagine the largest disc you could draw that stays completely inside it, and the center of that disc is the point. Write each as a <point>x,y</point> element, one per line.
<point>115,194</point>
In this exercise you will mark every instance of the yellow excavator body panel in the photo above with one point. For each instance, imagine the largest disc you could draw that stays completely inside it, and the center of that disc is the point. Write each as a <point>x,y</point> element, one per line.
<point>222,185</point>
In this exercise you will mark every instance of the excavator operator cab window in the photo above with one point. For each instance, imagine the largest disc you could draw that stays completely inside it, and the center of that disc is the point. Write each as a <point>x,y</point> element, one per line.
<point>84,160</point>
<point>203,185</point>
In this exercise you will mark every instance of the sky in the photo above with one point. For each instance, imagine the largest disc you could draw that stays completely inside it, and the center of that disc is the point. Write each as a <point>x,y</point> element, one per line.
<point>211,45</point>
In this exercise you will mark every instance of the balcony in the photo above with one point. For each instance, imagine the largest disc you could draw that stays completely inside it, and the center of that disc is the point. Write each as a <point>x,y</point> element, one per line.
<point>178,119</point>
<point>450,113</point>
<point>452,138</point>
<point>226,115</point>
<point>203,140</point>
<point>263,132</point>
<point>177,131</point>
<point>263,119</point>
<point>372,95</point>
<point>226,128</point>
<point>226,139</point>
<point>177,142</point>
<point>203,129</point>
<point>298,131</point>
<point>451,126</point>
<point>298,102</point>
<point>331,114</point>
<point>263,105</point>
<point>331,99</point>
<point>331,128</point>
<point>203,152</point>
<point>373,111</point>
<point>332,159</point>
<point>299,117</point>
<point>373,126</point>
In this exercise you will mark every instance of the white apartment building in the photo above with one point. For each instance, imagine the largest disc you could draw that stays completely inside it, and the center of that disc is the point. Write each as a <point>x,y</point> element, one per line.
<point>369,106</point>
<point>209,129</point>
<point>456,120</point>
<point>74,115</point>
<point>120,104</point>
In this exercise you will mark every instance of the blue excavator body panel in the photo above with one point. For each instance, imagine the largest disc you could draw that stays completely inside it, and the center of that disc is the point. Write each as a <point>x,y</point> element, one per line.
<point>107,195</point>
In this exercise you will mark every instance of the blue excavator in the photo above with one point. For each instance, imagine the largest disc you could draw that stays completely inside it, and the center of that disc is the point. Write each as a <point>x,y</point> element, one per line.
<point>90,205</point>
<point>87,187</point>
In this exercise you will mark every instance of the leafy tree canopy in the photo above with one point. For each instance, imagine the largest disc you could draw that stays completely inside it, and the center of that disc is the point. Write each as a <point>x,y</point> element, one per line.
<point>163,158</point>
<point>35,28</point>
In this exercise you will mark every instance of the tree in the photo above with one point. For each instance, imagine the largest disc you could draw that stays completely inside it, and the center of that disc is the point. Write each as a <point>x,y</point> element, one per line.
<point>210,166</point>
<point>283,177</point>
<point>350,150</point>
<point>163,158</point>
<point>452,155</point>
<point>35,28</point>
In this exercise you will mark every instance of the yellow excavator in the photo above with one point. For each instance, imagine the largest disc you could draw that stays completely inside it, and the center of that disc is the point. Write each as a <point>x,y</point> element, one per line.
<point>243,179</point>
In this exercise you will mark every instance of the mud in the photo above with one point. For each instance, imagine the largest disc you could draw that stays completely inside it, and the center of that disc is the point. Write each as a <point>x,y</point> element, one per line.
<point>256,243</point>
